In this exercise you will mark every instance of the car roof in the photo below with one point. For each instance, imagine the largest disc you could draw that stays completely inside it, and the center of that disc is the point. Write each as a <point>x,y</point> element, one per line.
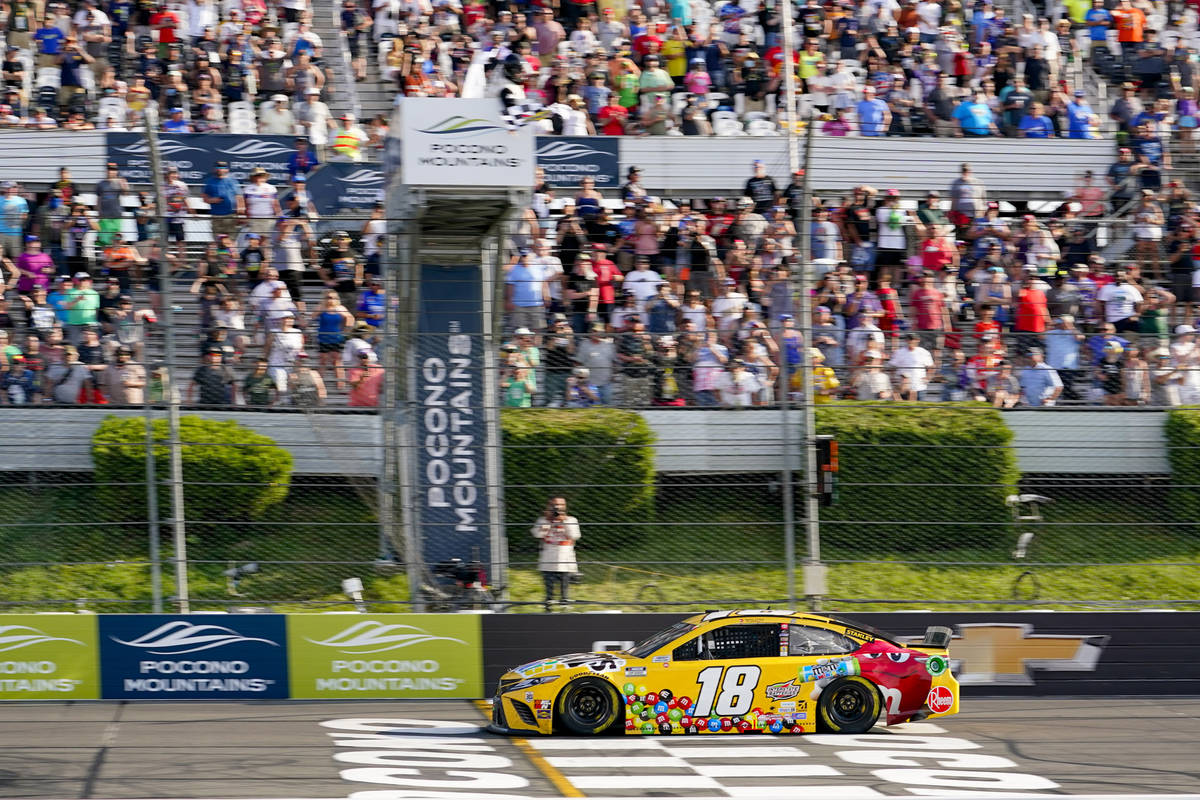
<point>741,613</point>
<point>790,614</point>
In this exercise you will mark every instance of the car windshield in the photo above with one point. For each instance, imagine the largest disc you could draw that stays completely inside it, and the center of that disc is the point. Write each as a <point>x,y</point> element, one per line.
<point>663,637</point>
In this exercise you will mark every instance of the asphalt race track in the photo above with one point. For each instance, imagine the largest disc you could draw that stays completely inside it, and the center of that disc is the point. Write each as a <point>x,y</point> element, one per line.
<point>388,751</point>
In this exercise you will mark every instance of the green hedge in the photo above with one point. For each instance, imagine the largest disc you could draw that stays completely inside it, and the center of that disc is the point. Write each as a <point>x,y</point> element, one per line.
<point>907,465</point>
<point>600,459</point>
<point>239,479</point>
<point>1183,452</point>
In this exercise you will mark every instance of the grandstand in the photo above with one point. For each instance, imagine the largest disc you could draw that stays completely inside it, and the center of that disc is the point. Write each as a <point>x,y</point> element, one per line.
<point>1033,104</point>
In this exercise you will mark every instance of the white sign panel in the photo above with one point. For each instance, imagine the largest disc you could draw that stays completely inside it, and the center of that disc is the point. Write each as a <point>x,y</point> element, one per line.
<point>451,142</point>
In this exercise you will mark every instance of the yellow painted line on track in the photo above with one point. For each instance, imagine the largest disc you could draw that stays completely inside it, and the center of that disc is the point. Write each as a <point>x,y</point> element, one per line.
<point>548,770</point>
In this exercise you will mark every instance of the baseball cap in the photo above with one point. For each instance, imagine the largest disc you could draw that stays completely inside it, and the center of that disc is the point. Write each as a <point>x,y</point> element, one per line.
<point>81,276</point>
<point>32,238</point>
<point>222,165</point>
<point>312,90</point>
<point>522,332</point>
<point>176,110</point>
<point>279,98</point>
<point>1180,330</point>
<point>1080,93</point>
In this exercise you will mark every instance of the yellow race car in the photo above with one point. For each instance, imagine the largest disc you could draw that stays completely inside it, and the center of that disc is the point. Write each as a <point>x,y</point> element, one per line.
<point>735,672</point>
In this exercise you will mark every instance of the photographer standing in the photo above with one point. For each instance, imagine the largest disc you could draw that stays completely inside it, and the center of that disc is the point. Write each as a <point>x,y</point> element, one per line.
<point>558,533</point>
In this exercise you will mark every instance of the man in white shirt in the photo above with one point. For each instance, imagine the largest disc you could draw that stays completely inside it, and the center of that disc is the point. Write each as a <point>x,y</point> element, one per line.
<point>552,272</point>
<point>315,117</point>
<point>738,386</point>
<point>695,310</point>
<point>282,348</point>
<point>642,281</point>
<point>911,365</point>
<point>279,119</point>
<point>728,307</point>
<point>262,203</point>
<point>1121,301</point>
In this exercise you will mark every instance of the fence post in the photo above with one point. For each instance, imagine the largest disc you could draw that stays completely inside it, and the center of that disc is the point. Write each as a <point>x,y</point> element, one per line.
<point>170,387</point>
<point>814,583</point>
<point>152,510</point>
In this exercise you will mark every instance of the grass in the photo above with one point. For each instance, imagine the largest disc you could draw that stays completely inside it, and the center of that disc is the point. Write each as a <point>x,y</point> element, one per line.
<point>718,547</point>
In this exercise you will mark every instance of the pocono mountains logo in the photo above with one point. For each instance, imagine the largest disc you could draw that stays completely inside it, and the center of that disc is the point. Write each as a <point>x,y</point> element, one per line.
<point>16,637</point>
<point>168,147</point>
<point>363,177</point>
<point>375,637</point>
<point>256,149</point>
<point>179,637</point>
<point>567,151</point>
<point>461,126</point>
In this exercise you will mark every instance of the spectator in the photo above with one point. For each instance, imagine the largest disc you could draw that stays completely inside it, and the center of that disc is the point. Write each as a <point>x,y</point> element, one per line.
<point>283,348</point>
<point>215,380</point>
<point>874,116</point>
<point>223,194</point>
<point>306,389</point>
<point>258,387</point>
<point>526,295</point>
<point>109,208</point>
<point>1040,383</point>
<point>974,117</point>
<point>1003,389</point>
<point>737,386</point>
<point>14,213</point>
<point>1121,301</point>
<point>124,382</point>
<point>557,531</point>
<point>598,355</point>
<point>912,365</point>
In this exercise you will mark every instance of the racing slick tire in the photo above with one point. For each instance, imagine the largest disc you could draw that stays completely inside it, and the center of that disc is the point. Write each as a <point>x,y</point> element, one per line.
<point>589,706</point>
<point>848,705</point>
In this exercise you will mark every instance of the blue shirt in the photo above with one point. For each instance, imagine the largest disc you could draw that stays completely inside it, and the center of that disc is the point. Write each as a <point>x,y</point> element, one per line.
<point>55,300</point>
<point>1036,381</point>
<point>11,209</point>
<point>373,303</point>
<point>299,166</point>
<point>1036,127</point>
<point>526,282</point>
<point>1062,349</point>
<point>1078,115</point>
<point>227,189</point>
<point>975,117</point>
<point>49,40</point>
<point>177,126</point>
<point>870,117</point>
<point>1100,32</point>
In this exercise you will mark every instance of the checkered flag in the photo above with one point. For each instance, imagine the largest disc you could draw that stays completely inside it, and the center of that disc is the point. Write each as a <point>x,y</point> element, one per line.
<point>523,113</point>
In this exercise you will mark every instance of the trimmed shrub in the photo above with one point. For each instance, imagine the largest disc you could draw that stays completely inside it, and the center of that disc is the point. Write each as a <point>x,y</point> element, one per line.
<point>230,473</point>
<point>950,466</point>
<point>598,458</point>
<point>1182,430</point>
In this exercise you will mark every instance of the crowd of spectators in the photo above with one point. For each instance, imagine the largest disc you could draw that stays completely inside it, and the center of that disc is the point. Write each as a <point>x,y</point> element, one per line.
<point>691,67</point>
<point>696,304</point>
<point>280,315</point>
<point>208,66</point>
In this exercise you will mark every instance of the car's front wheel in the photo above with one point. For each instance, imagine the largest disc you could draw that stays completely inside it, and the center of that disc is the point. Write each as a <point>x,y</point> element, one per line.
<point>849,705</point>
<point>588,706</point>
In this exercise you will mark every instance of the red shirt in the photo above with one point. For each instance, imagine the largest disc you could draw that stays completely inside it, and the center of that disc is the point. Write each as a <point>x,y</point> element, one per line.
<point>936,254</point>
<point>613,120</point>
<point>1031,311</point>
<point>1130,24</point>
<point>982,327</point>
<point>928,305</point>
<point>889,301</point>
<point>166,35</point>
<point>605,271</point>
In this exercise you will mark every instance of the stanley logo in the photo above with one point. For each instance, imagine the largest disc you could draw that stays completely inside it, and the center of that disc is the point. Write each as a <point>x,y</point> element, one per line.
<point>1008,653</point>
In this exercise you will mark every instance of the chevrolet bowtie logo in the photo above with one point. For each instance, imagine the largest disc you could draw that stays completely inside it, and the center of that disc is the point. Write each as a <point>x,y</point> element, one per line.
<point>1008,653</point>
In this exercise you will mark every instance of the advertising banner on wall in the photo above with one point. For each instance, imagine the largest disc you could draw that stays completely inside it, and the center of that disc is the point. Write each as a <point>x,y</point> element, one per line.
<point>399,656</point>
<point>48,657</point>
<point>567,160</point>
<point>461,143</point>
<point>169,657</point>
<point>451,487</point>
<point>335,188</point>
<point>195,155</point>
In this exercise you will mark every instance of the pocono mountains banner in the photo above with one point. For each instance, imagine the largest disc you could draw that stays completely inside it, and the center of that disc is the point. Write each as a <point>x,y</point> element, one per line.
<point>461,143</point>
<point>195,155</point>
<point>403,656</point>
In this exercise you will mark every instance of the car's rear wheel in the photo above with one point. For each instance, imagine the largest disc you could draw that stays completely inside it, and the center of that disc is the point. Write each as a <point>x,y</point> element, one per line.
<point>588,706</point>
<point>848,705</point>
